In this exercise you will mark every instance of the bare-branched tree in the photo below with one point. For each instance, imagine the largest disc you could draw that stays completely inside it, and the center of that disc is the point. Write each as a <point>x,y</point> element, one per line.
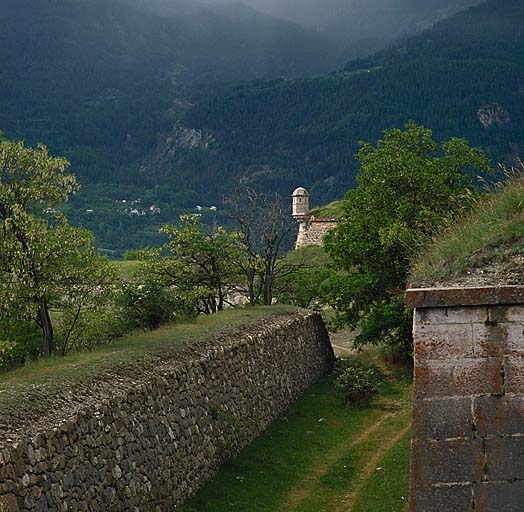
<point>267,231</point>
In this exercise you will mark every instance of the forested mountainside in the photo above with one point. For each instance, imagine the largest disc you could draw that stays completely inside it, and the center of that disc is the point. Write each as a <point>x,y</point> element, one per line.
<point>464,77</point>
<point>96,79</point>
<point>134,93</point>
<point>363,26</point>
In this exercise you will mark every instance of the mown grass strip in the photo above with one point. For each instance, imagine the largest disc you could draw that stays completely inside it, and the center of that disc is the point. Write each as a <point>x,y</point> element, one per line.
<point>135,346</point>
<point>386,490</point>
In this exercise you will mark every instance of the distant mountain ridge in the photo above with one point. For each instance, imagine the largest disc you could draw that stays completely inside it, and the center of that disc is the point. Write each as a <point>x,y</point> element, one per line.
<point>463,77</point>
<point>363,26</point>
<point>96,79</point>
<point>137,97</point>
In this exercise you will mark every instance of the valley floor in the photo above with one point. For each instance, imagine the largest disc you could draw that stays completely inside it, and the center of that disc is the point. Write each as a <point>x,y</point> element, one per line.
<point>323,457</point>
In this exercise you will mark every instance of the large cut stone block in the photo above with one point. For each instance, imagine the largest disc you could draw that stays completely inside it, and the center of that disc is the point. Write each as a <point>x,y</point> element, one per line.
<point>457,498</point>
<point>490,340</point>
<point>499,497</point>
<point>459,378</point>
<point>453,315</point>
<point>499,415</point>
<point>514,375</point>
<point>443,342</point>
<point>505,458</point>
<point>442,418</point>
<point>515,339</point>
<point>447,462</point>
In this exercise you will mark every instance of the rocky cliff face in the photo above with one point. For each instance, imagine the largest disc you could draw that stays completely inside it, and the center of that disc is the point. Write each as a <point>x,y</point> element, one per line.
<point>179,142</point>
<point>490,115</point>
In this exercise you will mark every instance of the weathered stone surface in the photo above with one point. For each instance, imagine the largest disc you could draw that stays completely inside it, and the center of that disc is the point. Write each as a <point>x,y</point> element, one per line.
<point>458,377</point>
<point>505,458</point>
<point>149,438</point>
<point>468,430</point>
<point>447,462</point>
<point>456,498</point>
<point>312,231</point>
<point>514,375</point>
<point>450,315</point>
<point>442,418</point>
<point>499,497</point>
<point>490,339</point>
<point>441,341</point>
<point>461,296</point>
<point>499,415</point>
<point>509,314</point>
<point>515,339</point>
<point>453,296</point>
<point>8,503</point>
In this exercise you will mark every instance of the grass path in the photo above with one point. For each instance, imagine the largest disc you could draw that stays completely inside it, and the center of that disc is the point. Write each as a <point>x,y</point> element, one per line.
<point>305,488</point>
<point>321,457</point>
<point>348,503</point>
<point>328,488</point>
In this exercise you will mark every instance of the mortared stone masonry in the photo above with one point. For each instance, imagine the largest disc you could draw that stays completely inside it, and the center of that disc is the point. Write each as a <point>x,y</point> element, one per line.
<point>468,416</point>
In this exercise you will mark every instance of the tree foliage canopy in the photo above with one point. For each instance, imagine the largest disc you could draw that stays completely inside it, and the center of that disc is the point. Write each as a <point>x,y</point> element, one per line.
<point>408,185</point>
<point>43,260</point>
<point>198,262</point>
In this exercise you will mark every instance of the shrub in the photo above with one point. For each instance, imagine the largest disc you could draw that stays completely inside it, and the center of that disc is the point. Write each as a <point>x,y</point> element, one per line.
<point>93,328</point>
<point>150,304</point>
<point>357,382</point>
<point>19,343</point>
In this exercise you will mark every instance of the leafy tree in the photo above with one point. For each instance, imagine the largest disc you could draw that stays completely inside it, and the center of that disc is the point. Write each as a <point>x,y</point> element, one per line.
<point>198,263</point>
<point>302,288</point>
<point>44,262</point>
<point>407,187</point>
<point>84,295</point>
<point>149,303</point>
<point>20,341</point>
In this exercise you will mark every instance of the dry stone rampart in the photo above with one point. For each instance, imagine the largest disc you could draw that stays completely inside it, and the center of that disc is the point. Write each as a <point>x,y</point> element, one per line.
<point>312,231</point>
<point>468,420</point>
<point>149,436</point>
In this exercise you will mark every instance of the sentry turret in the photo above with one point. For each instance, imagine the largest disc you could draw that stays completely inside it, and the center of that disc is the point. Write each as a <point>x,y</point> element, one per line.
<point>300,204</point>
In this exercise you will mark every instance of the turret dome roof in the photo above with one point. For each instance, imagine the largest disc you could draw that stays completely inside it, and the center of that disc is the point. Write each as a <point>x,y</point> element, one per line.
<point>300,191</point>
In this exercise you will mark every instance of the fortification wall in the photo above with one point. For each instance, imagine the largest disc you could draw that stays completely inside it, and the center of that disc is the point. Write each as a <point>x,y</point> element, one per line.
<point>468,419</point>
<point>313,232</point>
<point>144,439</point>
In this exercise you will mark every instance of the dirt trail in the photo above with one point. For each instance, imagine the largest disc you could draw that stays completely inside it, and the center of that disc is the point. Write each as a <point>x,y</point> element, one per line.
<point>342,342</point>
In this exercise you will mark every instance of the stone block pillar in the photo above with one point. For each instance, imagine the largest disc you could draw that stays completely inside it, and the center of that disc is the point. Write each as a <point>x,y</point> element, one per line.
<point>468,416</point>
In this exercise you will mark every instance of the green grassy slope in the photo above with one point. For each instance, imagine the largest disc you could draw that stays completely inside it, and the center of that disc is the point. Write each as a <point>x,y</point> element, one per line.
<point>131,350</point>
<point>485,247</point>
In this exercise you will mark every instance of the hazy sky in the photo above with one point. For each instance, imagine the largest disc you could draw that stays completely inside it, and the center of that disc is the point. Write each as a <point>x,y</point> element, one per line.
<point>322,13</point>
<point>357,27</point>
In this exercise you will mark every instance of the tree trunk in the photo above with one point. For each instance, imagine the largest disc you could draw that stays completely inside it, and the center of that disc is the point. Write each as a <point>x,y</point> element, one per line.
<point>44,320</point>
<point>251,274</point>
<point>221,298</point>
<point>268,289</point>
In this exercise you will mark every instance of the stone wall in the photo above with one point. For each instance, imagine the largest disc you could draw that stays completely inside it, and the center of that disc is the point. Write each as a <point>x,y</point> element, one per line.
<point>468,420</point>
<point>313,231</point>
<point>144,438</point>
